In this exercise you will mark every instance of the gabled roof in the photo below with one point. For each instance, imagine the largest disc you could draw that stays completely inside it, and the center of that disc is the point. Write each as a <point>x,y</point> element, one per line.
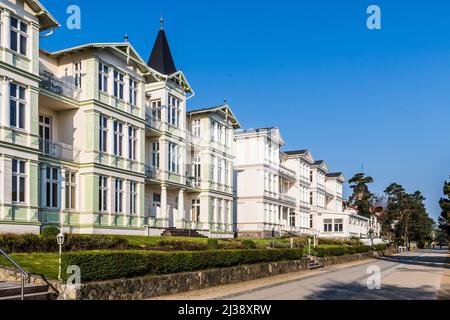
<point>272,132</point>
<point>304,154</point>
<point>337,175</point>
<point>46,20</point>
<point>296,152</point>
<point>225,109</point>
<point>161,58</point>
<point>321,164</point>
<point>124,48</point>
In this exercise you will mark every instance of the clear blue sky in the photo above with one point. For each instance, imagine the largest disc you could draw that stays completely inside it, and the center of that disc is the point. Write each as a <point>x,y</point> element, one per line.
<point>312,68</point>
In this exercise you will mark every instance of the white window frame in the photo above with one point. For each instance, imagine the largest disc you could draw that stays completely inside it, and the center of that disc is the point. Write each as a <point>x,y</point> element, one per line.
<point>132,142</point>
<point>174,111</point>
<point>174,165</point>
<point>155,109</point>
<point>19,176</point>
<point>103,75</point>
<point>119,84</point>
<point>17,96</point>
<point>50,182</point>
<point>20,34</point>
<point>71,190</point>
<point>77,74</point>
<point>103,134</point>
<point>103,194</point>
<point>118,195</point>
<point>118,138</point>
<point>155,154</point>
<point>133,91</point>
<point>133,197</point>
<point>196,128</point>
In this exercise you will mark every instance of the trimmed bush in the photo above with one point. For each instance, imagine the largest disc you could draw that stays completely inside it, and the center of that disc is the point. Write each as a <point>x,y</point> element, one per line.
<point>248,244</point>
<point>332,250</point>
<point>50,232</point>
<point>380,247</point>
<point>106,265</point>
<point>213,244</point>
<point>29,243</point>
<point>182,245</point>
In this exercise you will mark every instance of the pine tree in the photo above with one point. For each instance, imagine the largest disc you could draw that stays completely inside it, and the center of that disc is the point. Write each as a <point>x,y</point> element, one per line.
<point>361,198</point>
<point>444,219</point>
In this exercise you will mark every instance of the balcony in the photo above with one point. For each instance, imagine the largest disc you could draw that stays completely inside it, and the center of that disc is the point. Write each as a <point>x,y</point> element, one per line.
<point>286,198</point>
<point>58,87</point>
<point>287,173</point>
<point>59,151</point>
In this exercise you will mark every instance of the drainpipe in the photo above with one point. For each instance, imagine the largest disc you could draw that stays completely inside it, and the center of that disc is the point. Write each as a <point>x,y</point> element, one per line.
<point>52,30</point>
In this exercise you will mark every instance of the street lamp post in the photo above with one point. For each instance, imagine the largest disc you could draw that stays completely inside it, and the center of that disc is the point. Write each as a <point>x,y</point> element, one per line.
<point>60,240</point>
<point>309,246</point>
<point>371,236</point>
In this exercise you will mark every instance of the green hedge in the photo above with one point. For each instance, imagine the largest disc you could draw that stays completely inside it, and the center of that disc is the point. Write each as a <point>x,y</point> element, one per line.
<point>29,243</point>
<point>104,265</point>
<point>331,250</point>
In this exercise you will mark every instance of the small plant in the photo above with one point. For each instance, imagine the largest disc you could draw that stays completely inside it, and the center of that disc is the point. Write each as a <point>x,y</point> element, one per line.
<point>213,244</point>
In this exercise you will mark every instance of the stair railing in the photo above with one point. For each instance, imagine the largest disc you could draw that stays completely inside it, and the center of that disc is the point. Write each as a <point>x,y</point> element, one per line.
<point>23,273</point>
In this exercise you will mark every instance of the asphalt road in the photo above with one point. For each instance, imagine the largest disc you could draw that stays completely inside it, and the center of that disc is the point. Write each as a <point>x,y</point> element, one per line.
<point>422,274</point>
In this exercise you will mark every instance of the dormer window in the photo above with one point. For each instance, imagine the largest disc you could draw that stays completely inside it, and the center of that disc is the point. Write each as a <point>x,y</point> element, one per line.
<point>19,36</point>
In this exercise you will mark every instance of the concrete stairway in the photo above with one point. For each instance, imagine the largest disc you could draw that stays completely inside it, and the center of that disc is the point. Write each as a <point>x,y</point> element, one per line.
<point>173,232</point>
<point>12,291</point>
<point>314,262</point>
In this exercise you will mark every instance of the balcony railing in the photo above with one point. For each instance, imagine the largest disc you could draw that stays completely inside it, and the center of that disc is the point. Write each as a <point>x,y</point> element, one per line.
<point>57,86</point>
<point>151,172</point>
<point>59,151</point>
<point>152,122</point>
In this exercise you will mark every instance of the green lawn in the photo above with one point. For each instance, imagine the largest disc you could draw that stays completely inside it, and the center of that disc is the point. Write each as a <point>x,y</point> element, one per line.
<point>37,263</point>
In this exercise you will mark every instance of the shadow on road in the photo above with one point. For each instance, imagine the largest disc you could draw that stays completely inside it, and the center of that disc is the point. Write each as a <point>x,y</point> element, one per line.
<point>427,261</point>
<point>358,291</point>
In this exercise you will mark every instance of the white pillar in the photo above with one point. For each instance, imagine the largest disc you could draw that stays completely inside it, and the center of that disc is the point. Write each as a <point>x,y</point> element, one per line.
<point>43,187</point>
<point>181,213</point>
<point>4,112</point>
<point>164,213</point>
<point>62,194</point>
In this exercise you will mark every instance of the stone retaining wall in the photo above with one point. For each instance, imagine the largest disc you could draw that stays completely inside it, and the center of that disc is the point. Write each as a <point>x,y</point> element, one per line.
<point>153,286</point>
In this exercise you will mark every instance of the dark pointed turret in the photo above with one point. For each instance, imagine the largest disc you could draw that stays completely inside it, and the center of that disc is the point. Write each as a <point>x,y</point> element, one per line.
<point>161,58</point>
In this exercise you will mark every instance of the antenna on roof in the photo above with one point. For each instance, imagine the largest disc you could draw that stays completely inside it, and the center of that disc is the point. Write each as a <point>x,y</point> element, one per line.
<point>362,168</point>
<point>125,37</point>
<point>225,101</point>
<point>161,22</point>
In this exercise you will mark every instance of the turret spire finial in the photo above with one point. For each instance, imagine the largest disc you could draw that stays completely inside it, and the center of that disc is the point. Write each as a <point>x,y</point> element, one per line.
<point>161,22</point>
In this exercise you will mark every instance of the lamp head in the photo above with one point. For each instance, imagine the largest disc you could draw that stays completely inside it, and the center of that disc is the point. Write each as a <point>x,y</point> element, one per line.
<point>60,238</point>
